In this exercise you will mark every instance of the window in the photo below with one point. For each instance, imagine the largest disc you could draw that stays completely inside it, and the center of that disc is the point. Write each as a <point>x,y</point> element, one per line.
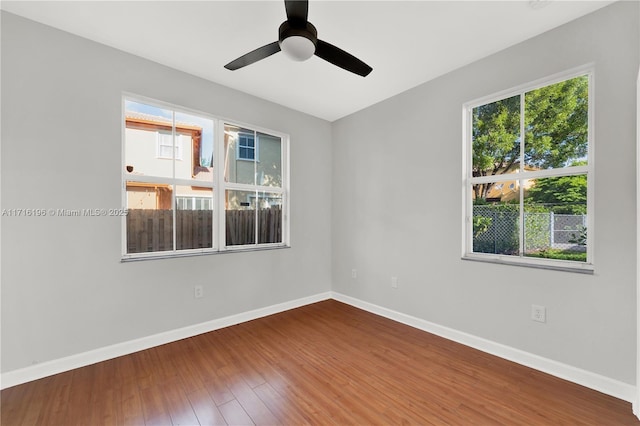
<point>528,175</point>
<point>246,147</point>
<point>194,203</point>
<point>186,195</point>
<point>254,190</point>
<point>166,146</point>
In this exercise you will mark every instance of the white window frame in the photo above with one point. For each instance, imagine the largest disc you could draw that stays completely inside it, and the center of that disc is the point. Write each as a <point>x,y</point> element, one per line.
<point>468,180</point>
<point>218,185</point>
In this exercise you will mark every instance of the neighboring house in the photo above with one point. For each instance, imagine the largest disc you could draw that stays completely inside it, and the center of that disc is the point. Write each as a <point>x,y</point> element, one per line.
<point>252,158</point>
<point>148,152</point>
<point>503,192</point>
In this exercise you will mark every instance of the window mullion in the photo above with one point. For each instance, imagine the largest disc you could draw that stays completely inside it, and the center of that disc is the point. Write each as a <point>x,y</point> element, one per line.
<point>564,171</point>
<point>520,182</point>
<point>256,233</point>
<point>174,186</point>
<point>590,170</point>
<point>215,191</point>
<point>255,183</point>
<point>219,161</point>
<point>468,190</point>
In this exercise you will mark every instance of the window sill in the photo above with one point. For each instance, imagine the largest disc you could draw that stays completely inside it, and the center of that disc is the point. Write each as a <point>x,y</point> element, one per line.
<point>198,252</point>
<point>552,264</point>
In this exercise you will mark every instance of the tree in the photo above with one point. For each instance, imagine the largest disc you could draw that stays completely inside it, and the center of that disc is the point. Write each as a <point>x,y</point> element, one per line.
<point>555,131</point>
<point>563,194</point>
<point>496,147</point>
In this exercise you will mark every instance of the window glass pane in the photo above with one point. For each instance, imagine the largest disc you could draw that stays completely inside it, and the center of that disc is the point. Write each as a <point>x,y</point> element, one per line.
<point>240,217</point>
<point>196,147</point>
<point>556,218</point>
<point>496,227</point>
<point>269,217</point>
<point>194,219</point>
<point>238,167</point>
<point>150,217</point>
<point>269,165</point>
<point>147,149</point>
<point>496,138</point>
<point>556,123</point>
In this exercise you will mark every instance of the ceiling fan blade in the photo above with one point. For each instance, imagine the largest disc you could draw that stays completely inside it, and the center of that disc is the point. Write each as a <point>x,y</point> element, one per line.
<point>297,10</point>
<point>339,57</point>
<point>254,56</point>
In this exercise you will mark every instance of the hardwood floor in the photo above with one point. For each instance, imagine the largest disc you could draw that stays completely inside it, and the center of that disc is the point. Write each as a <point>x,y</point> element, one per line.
<point>326,363</point>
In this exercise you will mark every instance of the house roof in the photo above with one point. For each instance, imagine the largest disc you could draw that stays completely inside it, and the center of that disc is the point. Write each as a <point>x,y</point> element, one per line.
<point>142,118</point>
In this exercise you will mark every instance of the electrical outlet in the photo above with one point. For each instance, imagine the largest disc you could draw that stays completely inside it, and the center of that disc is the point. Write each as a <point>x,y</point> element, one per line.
<point>394,282</point>
<point>198,292</point>
<point>538,313</point>
<point>354,273</point>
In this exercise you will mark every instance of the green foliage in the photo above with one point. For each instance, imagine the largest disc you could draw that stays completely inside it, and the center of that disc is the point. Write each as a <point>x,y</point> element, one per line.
<point>564,194</point>
<point>560,255</point>
<point>496,128</point>
<point>580,237</point>
<point>480,225</point>
<point>496,147</point>
<point>536,229</point>
<point>555,121</point>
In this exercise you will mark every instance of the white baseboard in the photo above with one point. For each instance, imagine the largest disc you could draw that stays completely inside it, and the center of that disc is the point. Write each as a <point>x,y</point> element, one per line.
<point>591,380</point>
<point>38,371</point>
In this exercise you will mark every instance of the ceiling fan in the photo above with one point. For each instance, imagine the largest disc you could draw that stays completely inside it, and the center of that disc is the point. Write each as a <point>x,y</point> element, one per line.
<point>298,39</point>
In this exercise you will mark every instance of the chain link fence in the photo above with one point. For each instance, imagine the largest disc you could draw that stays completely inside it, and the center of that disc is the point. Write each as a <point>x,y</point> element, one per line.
<point>496,230</point>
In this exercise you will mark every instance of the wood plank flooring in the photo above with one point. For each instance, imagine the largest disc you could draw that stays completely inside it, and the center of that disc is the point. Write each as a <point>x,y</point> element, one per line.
<point>325,363</point>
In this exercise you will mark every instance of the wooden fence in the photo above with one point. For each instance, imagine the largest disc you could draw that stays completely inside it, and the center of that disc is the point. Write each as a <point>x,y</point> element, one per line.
<point>152,230</point>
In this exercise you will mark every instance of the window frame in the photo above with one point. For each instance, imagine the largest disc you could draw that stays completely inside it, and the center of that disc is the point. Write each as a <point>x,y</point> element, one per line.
<point>468,180</point>
<point>217,185</point>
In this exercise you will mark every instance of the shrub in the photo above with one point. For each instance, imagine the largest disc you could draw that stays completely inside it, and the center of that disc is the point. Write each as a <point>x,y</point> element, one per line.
<point>560,255</point>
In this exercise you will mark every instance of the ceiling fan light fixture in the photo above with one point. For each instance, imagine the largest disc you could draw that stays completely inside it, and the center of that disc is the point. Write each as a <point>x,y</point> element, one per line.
<point>298,39</point>
<point>298,48</point>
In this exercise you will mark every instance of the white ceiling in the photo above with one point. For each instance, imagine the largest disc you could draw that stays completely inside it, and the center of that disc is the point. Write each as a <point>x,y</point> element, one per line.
<point>406,42</point>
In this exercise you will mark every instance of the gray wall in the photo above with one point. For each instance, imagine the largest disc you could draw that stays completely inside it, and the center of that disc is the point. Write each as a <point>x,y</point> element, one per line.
<point>397,205</point>
<point>64,290</point>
